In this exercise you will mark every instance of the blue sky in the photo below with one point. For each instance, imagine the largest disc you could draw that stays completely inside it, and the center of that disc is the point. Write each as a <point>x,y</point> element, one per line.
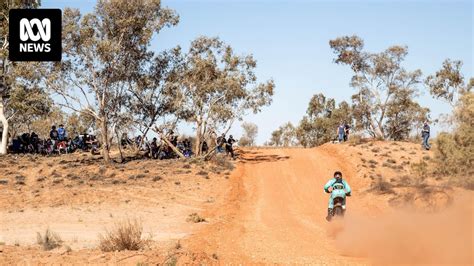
<point>290,39</point>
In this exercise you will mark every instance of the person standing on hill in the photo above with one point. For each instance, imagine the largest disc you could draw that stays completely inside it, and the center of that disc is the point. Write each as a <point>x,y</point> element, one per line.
<point>229,146</point>
<point>346,131</point>
<point>220,143</point>
<point>340,132</point>
<point>425,134</point>
<point>61,133</point>
<point>53,135</point>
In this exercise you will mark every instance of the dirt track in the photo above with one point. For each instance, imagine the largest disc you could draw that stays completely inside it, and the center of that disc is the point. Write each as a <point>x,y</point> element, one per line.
<point>278,211</point>
<point>271,209</point>
<point>276,214</point>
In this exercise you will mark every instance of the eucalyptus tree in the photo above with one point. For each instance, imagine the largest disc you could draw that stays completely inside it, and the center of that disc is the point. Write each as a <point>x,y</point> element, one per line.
<point>22,95</point>
<point>250,134</point>
<point>104,54</point>
<point>384,88</point>
<point>322,118</point>
<point>448,82</point>
<point>217,87</point>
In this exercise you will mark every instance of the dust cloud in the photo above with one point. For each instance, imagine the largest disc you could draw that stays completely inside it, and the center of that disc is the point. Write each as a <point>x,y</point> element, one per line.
<point>409,236</point>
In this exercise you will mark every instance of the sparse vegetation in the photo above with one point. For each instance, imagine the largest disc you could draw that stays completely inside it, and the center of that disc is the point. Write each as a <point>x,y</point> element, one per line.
<point>20,180</point>
<point>381,186</point>
<point>126,235</point>
<point>250,134</point>
<point>195,218</point>
<point>454,152</point>
<point>375,150</point>
<point>420,169</point>
<point>223,162</point>
<point>49,240</point>
<point>203,173</point>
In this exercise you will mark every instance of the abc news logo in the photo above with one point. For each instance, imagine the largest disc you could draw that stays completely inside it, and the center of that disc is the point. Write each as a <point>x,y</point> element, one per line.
<point>35,35</point>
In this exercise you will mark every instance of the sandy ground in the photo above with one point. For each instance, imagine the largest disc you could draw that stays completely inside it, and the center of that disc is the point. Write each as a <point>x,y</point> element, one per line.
<point>275,213</point>
<point>270,209</point>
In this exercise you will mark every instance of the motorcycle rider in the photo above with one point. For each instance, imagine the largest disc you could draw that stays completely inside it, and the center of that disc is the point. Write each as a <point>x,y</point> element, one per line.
<point>337,179</point>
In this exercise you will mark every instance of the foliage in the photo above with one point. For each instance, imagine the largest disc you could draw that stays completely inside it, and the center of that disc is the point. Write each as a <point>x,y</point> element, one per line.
<point>217,87</point>
<point>454,152</point>
<point>250,134</point>
<point>323,117</point>
<point>153,95</point>
<point>448,82</point>
<point>284,136</point>
<point>22,97</point>
<point>384,87</point>
<point>104,56</point>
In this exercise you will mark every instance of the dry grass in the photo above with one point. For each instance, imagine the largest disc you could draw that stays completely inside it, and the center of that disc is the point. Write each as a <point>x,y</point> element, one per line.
<point>375,150</point>
<point>195,218</point>
<point>420,169</point>
<point>355,140</point>
<point>381,186</point>
<point>49,240</point>
<point>222,162</point>
<point>126,235</point>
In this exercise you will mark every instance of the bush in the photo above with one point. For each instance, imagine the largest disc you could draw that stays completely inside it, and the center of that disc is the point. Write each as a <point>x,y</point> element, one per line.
<point>375,150</point>
<point>452,157</point>
<point>380,186</point>
<point>454,151</point>
<point>355,140</point>
<point>223,162</point>
<point>126,235</point>
<point>49,240</point>
<point>195,218</point>
<point>20,180</point>
<point>420,169</point>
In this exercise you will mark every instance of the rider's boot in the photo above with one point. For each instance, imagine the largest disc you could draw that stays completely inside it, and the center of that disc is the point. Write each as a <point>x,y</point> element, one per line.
<point>328,218</point>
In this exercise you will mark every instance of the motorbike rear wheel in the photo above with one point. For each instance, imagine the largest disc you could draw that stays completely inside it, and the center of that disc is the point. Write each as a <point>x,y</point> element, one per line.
<point>338,211</point>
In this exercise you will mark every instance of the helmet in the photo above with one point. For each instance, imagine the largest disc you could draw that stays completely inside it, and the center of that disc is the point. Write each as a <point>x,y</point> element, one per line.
<point>338,173</point>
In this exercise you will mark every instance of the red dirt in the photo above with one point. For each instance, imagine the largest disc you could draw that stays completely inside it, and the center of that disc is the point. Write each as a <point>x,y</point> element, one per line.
<point>276,210</point>
<point>272,210</point>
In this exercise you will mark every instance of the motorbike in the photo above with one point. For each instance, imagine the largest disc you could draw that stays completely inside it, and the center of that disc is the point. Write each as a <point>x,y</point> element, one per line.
<point>61,147</point>
<point>339,197</point>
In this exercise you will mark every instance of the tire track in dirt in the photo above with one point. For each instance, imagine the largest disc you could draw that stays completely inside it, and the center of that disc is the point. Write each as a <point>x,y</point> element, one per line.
<point>275,212</point>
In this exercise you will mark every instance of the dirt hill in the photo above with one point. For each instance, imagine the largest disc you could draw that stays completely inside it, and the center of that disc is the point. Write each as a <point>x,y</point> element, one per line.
<point>270,209</point>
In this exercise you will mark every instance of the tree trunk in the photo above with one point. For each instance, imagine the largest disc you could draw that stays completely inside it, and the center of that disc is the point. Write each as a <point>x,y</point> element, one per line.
<point>119,144</point>
<point>198,139</point>
<point>378,131</point>
<point>4,120</point>
<point>105,139</point>
<point>176,150</point>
